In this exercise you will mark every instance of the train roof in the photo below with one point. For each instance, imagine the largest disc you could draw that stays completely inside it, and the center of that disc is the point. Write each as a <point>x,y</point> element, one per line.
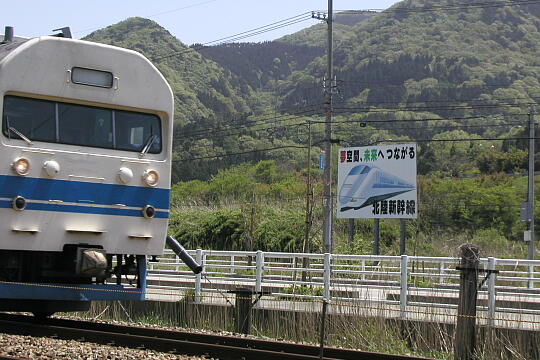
<point>8,47</point>
<point>42,65</point>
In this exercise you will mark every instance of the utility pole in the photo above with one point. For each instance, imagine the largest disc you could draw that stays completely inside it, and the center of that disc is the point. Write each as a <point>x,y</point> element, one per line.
<point>375,236</point>
<point>306,248</point>
<point>530,192</point>
<point>329,89</point>
<point>351,234</point>
<point>402,236</point>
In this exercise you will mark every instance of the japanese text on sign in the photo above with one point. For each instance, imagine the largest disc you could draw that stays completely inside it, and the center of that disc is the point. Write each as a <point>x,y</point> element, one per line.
<point>371,155</point>
<point>377,182</point>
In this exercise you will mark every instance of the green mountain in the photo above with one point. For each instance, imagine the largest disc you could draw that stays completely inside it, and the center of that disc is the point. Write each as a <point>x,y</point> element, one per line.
<point>447,74</point>
<point>262,64</point>
<point>317,35</point>
<point>203,90</point>
<point>426,51</point>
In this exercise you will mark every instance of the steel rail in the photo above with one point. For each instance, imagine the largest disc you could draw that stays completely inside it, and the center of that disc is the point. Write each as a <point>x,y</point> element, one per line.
<point>180,342</point>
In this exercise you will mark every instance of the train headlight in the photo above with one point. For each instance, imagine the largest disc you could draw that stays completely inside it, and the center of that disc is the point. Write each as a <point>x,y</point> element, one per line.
<point>149,211</point>
<point>150,177</point>
<point>125,175</point>
<point>21,166</point>
<point>51,167</point>
<point>19,203</point>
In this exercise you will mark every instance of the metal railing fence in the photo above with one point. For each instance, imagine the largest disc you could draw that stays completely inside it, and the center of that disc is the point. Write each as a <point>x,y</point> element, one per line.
<point>403,282</point>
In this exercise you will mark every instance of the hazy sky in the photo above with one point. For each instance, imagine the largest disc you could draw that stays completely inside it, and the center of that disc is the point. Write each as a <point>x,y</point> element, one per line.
<point>191,21</point>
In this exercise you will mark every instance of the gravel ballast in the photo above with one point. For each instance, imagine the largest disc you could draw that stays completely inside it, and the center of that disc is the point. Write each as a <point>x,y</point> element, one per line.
<point>46,348</point>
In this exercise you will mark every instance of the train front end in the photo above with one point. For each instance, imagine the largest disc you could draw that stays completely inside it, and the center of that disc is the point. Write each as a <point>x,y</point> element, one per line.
<point>85,163</point>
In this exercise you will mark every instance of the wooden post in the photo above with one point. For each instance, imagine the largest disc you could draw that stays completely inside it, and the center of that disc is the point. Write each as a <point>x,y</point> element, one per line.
<point>465,336</point>
<point>242,307</point>
<point>322,329</point>
<point>375,236</point>
<point>402,236</point>
<point>351,233</point>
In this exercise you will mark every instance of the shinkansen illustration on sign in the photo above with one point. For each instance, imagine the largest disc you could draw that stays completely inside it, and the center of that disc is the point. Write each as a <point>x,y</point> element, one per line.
<point>377,182</point>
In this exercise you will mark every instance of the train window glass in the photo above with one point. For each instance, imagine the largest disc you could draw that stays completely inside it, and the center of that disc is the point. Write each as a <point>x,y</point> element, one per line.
<point>365,170</point>
<point>85,125</point>
<point>91,77</point>
<point>35,119</point>
<point>80,125</point>
<point>356,170</point>
<point>135,130</point>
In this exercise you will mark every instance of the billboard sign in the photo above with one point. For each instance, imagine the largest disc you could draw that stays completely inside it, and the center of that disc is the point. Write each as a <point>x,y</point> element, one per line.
<point>377,182</point>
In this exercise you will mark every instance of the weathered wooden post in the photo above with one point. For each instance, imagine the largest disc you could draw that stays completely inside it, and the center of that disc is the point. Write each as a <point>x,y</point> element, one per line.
<point>242,310</point>
<point>242,307</point>
<point>465,335</point>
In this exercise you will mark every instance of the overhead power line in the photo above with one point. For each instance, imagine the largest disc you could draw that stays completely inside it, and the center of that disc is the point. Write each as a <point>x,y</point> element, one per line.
<point>217,156</point>
<point>469,105</point>
<point>458,6</point>
<point>158,14</point>
<point>241,153</point>
<point>243,35</point>
<point>273,121</point>
<point>268,119</point>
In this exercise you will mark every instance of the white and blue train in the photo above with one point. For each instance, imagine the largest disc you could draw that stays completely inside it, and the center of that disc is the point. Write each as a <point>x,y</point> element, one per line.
<point>85,162</point>
<point>366,184</point>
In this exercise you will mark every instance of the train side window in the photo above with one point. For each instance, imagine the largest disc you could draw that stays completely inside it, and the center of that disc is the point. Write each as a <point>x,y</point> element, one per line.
<point>33,118</point>
<point>84,125</point>
<point>134,130</point>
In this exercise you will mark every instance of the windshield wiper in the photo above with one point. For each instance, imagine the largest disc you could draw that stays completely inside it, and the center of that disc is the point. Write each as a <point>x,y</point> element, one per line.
<point>148,144</point>
<point>20,134</point>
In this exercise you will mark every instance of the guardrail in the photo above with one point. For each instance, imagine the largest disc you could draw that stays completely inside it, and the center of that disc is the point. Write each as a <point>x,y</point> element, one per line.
<point>403,282</point>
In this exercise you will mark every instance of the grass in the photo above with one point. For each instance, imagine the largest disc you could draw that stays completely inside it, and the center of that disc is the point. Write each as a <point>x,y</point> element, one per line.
<point>351,327</point>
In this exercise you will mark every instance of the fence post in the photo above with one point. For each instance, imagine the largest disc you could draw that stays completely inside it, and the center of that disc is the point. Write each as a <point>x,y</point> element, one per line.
<point>491,291</point>
<point>403,286</point>
<point>198,277</point>
<point>465,337</point>
<point>441,273</point>
<point>259,265</point>
<point>242,310</point>
<point>530,282</point>
<point>327,275</point>
<point>363,269</point>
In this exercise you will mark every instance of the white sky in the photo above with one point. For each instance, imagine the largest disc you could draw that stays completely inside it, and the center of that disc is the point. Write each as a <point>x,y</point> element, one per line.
<point>191,21</point>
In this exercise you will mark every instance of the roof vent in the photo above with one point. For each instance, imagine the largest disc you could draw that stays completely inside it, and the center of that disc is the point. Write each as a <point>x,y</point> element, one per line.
<point>65,32</point>
<point>8,34</point>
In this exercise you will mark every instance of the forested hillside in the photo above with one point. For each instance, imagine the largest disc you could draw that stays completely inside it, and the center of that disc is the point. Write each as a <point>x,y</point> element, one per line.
<point>443,71</point>
<point>317,34</point>
<point>202,89</point>
<point>461,54</point>
<point>459,79</point>
<point>422,70</point>
<point>261,64</point>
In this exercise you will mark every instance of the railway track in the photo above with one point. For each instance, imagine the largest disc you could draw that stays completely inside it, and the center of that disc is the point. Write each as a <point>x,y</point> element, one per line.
<point>180,342</point>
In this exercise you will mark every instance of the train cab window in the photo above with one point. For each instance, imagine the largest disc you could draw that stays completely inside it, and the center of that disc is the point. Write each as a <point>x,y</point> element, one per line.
<point>357,170</point>
<point>56,122</point>
<point>84,125</point>
<point>134,131</point>
<point>35,119</point>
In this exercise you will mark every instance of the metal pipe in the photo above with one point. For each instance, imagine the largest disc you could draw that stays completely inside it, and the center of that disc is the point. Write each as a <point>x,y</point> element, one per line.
<point>530,197</point>
<point>183,255</point>
<point>328,199</point>
<point>8,34</point>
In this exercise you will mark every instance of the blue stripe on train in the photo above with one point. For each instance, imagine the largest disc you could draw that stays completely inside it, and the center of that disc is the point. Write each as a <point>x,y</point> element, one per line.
<point>85,209</point>
<point>82,192</point>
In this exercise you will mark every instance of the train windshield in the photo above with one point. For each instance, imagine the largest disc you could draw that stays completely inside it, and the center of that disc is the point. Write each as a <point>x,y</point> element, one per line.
<point>50,121</point>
